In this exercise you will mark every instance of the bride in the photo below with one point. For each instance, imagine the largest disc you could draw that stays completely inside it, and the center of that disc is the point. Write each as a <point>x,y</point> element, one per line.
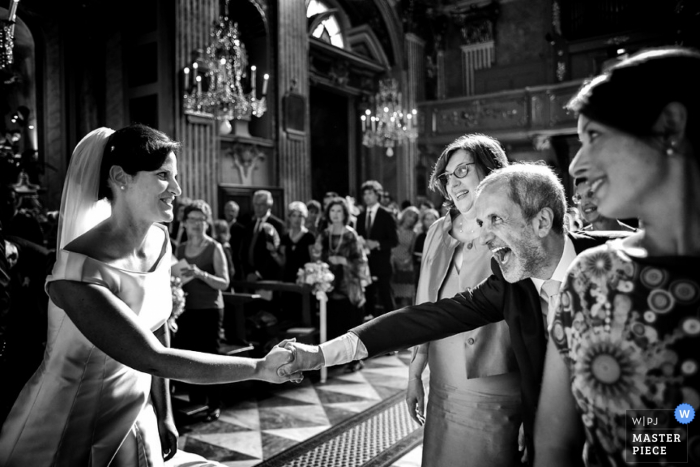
<point>100,396</point>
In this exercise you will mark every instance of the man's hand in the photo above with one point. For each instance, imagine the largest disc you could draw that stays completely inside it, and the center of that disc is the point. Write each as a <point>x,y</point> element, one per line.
<point>268,367</point>
<point>521,444</point>
<point>415,400</point>
<point>306,358</point>
<point>372,244</point>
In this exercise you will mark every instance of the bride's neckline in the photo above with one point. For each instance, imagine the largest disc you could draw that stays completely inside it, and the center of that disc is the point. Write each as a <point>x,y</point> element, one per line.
<point>154,268</point>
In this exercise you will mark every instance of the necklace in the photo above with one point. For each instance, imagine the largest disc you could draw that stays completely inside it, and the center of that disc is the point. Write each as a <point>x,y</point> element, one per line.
<point>340,242</point>
<point>470,243</point>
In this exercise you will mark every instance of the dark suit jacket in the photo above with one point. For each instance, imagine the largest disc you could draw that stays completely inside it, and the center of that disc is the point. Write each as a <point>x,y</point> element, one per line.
<point>384,231</point>
<point>493,300</point>
<point>263,262</point>
<point>237,231</point>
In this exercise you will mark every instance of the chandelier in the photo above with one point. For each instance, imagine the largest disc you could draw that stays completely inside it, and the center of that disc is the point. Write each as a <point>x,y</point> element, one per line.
<point>7,36</point>
<point>389,124</point>
<point>214,83</point>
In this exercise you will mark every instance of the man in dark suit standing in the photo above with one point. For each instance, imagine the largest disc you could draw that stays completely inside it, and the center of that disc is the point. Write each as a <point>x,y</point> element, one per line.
<point>520,209</point>
<point>260,250</point>
<point>237,232</point>
<point>377,227</point>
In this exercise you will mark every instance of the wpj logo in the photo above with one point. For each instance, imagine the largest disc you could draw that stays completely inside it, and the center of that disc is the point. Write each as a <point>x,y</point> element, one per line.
<point>658,435</point>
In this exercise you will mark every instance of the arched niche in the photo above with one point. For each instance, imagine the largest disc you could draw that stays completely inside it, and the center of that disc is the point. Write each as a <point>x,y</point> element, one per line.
<point>18,108</point>
<point>254,30</point>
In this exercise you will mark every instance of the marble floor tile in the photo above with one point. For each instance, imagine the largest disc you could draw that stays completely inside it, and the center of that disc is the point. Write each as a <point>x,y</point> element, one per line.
<point>247,443</point>
<point>273,418</point>
<point>287,417</point>
<point>365,391</point>
<point>247,418</point>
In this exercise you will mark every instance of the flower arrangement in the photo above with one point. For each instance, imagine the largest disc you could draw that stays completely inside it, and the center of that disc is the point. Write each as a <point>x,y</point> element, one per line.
<point>318,275</point>
<point>178,296</point>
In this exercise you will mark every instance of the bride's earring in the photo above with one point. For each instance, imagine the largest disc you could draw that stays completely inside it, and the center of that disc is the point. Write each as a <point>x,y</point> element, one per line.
<point>122,187</point>
<point>671,149</point>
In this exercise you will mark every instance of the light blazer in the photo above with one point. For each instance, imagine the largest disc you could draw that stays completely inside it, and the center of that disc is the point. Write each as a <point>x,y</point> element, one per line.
<point>493,300</point>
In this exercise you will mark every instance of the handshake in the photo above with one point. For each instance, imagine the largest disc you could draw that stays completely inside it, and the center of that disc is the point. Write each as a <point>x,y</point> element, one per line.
<point>289,359</point>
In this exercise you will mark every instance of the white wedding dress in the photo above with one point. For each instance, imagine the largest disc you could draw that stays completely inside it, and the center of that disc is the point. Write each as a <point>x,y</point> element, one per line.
<point>82,407</point>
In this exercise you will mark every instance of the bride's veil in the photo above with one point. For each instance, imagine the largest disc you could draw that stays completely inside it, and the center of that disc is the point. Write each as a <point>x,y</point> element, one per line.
<point>80,209</point>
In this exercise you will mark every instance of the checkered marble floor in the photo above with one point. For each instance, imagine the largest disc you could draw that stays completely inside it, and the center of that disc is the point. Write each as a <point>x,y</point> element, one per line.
<point>274,418</point>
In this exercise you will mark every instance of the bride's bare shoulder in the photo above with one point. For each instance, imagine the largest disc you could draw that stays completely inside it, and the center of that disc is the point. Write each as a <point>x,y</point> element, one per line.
<point>94,243</point>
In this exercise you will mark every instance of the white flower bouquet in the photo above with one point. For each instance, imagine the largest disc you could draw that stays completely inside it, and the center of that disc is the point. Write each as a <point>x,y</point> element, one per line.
<point>318,275</point>
<point>178,296</point>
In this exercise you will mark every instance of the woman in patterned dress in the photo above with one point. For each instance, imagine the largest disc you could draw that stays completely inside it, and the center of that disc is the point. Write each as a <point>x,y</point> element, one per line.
<point>626,333</point>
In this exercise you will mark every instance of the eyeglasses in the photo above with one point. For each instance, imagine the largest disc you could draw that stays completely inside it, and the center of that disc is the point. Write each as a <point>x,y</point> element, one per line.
<point>461,171</point>
<point>194,220</point>
<point>577,198</point>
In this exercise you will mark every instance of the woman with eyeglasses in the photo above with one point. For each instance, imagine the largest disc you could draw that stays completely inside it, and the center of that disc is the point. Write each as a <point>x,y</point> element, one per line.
<point>200,327</point>
<point>588,209</point>
<point>625,336</point>
<point>473,411</point>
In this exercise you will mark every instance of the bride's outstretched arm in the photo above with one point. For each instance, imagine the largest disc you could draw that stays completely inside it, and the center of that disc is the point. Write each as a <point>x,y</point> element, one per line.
<point>114,328</point>
<point>160,394</point>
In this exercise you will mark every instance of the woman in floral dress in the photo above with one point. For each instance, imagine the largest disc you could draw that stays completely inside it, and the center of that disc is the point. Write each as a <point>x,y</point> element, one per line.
<point>626,333</point>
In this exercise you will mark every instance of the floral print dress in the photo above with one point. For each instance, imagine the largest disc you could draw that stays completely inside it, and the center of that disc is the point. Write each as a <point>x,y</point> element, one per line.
<point>629,330</point>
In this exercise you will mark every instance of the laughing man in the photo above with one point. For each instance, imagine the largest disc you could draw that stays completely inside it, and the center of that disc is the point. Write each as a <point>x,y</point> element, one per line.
<point>520,210</point>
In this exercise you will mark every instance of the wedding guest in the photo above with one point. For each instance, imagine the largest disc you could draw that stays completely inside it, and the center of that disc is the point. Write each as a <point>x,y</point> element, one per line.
<point>377,227</point>
<point>297,243</point>
<point>403,277</point>
<point>200,327</point>
<point>222,234</point>
<point>588,208</point>
<point>626,332</point>
<point>426,219</point>
<point>178,234</point>
<point>237,232</point>
<point>473,409</point>
<point>520,210</point>
<point>340,247</point>
<point>260,248</point>
<point>315,215</point>
<point>101,395</point>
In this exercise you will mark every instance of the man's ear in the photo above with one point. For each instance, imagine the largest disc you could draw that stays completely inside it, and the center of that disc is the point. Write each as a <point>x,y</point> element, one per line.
<point>671,124</point>
<point>118,176</point>
<point>543,221</point>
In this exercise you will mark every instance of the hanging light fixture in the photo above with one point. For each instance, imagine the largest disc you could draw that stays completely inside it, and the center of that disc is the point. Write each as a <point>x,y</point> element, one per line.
<point>389,123</point>
<point>214,84</point>
<point>7,36</point>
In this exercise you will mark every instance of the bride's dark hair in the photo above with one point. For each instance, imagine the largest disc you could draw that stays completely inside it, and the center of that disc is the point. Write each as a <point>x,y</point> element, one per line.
<point>135,148</point>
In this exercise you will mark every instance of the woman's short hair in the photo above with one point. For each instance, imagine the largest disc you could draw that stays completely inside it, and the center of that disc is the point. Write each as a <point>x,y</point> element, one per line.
<point>406,212</point>
<point>487,152</point>
<point>373,185</point>
<point>338,201</point>
<point>220,227</point>
<point>198,205</point>
<point>299,207</point>
<point>426,213</point>
<point>313,206</point>
<point>135,148</point>
<point>631,95</point>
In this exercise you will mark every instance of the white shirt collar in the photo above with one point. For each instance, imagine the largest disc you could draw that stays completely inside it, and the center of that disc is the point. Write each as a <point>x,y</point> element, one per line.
<point>372,210</point>
<point>567,257</point>
<point>264,218</point>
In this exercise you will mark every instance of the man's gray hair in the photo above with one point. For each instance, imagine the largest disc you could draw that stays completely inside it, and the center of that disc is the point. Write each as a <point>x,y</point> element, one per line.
<point>533,186</point>
<point>264,193</point>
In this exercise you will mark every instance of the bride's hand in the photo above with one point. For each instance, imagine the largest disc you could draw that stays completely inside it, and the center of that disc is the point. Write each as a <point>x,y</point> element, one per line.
<point>267,366</point>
